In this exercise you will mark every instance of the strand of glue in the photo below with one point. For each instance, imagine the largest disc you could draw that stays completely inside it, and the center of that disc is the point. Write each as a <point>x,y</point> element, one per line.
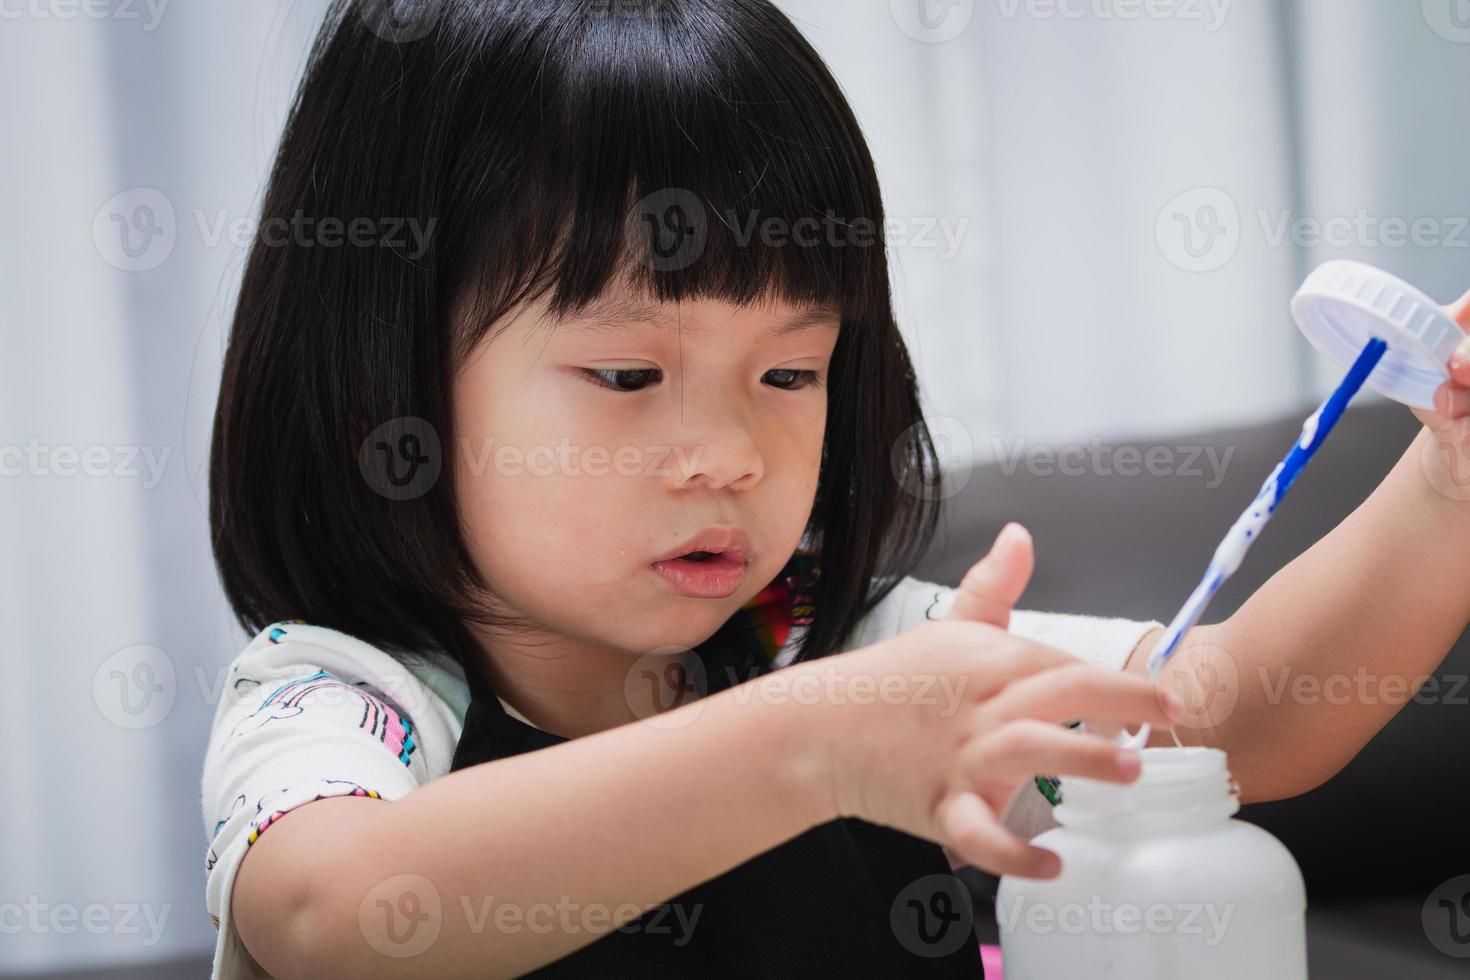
<point>1247,528</point>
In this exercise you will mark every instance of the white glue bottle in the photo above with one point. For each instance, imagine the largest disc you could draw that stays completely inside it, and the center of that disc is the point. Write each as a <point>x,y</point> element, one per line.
<point>1157,883</point>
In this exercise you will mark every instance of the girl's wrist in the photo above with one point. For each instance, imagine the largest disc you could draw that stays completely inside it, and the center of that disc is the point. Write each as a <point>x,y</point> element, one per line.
<point>807,732</point>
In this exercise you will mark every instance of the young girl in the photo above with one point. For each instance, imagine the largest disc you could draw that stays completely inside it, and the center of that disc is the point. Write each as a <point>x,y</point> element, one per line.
<point>579,528</point>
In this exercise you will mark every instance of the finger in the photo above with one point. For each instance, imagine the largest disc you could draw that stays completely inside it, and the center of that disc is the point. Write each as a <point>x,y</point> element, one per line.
<point>1088,693</point>
<point>1459,311</point>
<point>1460,357</point>
<point>972,830</point>
<point>993,585</point>
<point>1452,400</point>
<point>1020,749</point>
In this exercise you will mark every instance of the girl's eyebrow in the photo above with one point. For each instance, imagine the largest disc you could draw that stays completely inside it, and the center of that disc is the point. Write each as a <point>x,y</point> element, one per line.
<point>618,315</point>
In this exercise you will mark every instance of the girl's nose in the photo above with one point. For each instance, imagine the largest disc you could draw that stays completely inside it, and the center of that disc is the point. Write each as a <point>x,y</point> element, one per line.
<point>717,452</point>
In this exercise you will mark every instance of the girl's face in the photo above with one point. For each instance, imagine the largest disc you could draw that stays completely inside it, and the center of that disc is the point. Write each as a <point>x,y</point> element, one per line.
<point>591,448</point>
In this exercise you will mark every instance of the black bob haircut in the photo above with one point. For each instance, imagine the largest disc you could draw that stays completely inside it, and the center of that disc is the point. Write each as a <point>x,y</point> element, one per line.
<point>529,135</point>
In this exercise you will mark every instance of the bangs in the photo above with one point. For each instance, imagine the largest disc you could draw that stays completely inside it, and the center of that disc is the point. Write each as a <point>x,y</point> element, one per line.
<point>639,149</point>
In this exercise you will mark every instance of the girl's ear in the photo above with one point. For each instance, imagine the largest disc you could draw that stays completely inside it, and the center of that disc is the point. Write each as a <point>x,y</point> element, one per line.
<point>994,584</point>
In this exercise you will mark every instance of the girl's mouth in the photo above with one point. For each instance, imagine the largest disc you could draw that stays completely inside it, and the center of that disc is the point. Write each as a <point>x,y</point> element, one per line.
<point>702,574</point>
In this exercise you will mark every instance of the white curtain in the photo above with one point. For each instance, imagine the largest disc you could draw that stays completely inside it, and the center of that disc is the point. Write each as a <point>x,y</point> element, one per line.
<point>1033,164</point>
<point>1083,139</point>
<point>128,132</point>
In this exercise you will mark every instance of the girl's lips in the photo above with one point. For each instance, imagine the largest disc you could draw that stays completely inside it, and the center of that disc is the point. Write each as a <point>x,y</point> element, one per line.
<point>714,578</point>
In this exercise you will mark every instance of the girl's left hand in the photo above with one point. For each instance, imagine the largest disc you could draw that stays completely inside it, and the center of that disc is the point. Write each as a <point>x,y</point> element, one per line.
<point>1452,399</point>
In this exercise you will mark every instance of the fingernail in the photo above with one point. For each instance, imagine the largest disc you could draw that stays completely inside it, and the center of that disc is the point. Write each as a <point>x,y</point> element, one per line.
<point>1173,707</point>
<point>1050,866</point>
<point>1460,356</point>
<point>1129,762</point>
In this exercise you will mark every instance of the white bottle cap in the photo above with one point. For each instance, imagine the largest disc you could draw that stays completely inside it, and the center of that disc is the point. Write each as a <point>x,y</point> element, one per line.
<point>1342,305</point>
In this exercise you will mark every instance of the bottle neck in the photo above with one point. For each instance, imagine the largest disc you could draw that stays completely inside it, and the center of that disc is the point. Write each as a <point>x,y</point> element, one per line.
<point>1178,788</point>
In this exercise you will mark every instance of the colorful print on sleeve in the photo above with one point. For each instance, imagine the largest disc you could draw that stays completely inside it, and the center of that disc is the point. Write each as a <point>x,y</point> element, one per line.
<point>378,717</point>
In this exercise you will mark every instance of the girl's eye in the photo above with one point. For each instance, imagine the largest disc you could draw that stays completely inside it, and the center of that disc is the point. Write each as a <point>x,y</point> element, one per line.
<point>635,379</point>
<point>790,379</point>
<point>623,379</point>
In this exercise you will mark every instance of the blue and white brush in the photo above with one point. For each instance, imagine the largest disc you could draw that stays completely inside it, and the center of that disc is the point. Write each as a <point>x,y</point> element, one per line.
<point>1247,528</point>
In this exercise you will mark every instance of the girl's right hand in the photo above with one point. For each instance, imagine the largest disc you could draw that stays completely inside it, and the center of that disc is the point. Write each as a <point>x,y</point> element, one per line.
<point>959,715</point>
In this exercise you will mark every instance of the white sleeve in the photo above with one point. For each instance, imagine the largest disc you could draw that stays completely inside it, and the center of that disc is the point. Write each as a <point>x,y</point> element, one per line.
<point>1104,641</point>
<point>305,713</point>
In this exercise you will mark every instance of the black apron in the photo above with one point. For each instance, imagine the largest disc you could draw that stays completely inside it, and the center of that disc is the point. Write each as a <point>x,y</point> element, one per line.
<point>845,899</point>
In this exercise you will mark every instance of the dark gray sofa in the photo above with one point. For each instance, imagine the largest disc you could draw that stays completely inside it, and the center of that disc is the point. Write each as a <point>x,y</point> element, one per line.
<point>1378,838</point>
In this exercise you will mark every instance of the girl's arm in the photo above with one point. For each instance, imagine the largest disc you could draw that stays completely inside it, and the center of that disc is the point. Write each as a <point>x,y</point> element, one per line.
<point>502,867</point>
<point>1324,654</point>
<point>499,868</point>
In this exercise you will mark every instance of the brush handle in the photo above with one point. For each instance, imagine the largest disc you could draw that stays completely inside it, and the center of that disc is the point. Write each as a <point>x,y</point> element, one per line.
<point>1248,526</point>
